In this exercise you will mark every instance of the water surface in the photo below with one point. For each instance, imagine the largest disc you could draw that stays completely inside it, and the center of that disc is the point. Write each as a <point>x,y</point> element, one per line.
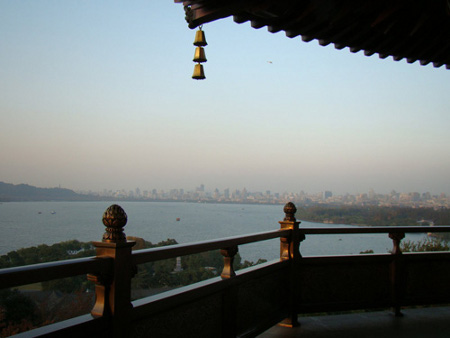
<point>25,224</point>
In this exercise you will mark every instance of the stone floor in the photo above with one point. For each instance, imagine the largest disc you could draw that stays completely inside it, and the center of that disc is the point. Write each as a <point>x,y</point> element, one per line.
<point>425,322</point>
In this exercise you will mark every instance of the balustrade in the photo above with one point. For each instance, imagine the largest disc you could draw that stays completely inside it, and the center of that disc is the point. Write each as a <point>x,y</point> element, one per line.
<point>280,289</point>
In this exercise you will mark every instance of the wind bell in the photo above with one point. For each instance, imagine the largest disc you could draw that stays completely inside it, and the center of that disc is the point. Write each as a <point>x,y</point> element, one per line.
<point>199,55</point>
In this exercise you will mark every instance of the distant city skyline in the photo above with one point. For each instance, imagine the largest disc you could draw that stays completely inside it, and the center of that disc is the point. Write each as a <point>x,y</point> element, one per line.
<point>203,194</point>
<point>302,198</point>
<point>98,95</point>
<point>211,189</point>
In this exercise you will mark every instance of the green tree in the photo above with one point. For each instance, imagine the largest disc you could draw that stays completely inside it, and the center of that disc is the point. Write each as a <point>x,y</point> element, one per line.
<point>16,307</point>
<point>427,244</point>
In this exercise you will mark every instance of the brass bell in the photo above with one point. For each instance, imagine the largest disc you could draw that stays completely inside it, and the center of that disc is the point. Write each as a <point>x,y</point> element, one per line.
<point>199,74</point>
<point>200,38</point>
<point>199,55</point>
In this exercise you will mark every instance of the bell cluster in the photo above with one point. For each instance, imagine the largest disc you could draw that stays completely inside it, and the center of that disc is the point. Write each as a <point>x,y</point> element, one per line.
<point>199,55</point>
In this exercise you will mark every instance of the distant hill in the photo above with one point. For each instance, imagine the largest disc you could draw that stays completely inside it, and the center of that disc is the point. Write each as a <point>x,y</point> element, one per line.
<point>25,192</point>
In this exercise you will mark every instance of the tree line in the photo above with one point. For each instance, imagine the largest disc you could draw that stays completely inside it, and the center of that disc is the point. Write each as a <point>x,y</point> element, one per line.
<point>373,215</point>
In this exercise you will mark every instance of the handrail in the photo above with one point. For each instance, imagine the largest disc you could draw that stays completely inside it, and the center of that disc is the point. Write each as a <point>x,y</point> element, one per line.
<point>172,251</point>
<point>29,274</point>
<point>160,253</point>
<point>16,276</point>
<point>373,230</point>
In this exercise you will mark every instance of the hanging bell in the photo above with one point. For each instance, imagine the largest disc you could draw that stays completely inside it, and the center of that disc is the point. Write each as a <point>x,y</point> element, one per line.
<point>199,55</point>
<point>199,74</point>
<point>200,38</point>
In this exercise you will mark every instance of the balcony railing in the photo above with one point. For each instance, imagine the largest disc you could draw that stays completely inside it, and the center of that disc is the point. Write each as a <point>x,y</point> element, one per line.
<point>241,303</point>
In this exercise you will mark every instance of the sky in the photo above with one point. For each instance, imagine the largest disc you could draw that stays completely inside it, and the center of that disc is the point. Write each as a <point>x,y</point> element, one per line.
<point>98,95</point>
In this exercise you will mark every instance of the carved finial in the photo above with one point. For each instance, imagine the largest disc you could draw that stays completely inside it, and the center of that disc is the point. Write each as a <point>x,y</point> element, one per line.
<point>114,219</point>
<point>290,210</point>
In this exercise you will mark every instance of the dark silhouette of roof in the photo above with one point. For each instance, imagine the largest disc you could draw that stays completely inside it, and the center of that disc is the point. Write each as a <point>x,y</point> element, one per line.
<point>412,30</point>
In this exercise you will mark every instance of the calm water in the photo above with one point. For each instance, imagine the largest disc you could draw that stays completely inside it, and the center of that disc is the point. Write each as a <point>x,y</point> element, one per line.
<point>25,224</point>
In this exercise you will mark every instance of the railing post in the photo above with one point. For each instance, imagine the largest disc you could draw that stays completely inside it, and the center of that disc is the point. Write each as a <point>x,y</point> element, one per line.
<point>228,260</point>
<point>230,295</point>
<point>113,290</point>
<point>290,250</point>
<point>397,273</point>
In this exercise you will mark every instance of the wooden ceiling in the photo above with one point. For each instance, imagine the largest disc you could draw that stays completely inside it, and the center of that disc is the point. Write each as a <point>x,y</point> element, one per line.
<point>416,30</point>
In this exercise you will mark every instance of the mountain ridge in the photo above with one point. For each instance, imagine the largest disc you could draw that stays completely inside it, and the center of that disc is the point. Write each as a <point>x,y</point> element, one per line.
<point>24,192</point>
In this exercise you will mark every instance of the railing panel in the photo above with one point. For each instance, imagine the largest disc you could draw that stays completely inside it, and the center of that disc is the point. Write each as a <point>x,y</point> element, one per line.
<point>201,317</point>
<point>262,302</point>
<point>204,309</point>
<point>344,283</point>
<point>427,278</point>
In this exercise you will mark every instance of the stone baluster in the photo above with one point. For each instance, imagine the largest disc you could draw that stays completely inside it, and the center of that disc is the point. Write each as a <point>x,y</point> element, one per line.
<point>396,239</point>
<point>230,296</point>
<point>113,289</point>
<point>228,260</point>
<point>102,289</point>
<point>290,250</point>
<point>397,273</point>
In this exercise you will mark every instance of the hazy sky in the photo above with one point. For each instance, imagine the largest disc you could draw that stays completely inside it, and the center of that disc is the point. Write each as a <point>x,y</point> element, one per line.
<point>98,94</point>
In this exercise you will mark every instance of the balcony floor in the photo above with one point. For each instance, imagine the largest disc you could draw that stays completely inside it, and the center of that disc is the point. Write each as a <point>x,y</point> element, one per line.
<point>425,322</point>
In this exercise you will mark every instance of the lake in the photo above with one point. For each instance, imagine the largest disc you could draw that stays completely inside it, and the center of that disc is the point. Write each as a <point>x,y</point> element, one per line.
<point>25,224</point>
